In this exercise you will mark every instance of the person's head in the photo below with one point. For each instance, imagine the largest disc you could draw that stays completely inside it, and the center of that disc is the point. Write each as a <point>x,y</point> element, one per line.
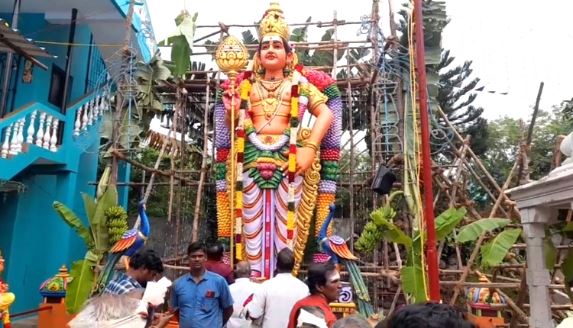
<point>215,252</point>
<point>311,317</point>
<point>145,266</point>
<point>429,315</point>
<point>324,279</point>
<point>197,256</point>
<point>242,269</point>
<point>285,260</point>
<point>352,321</point>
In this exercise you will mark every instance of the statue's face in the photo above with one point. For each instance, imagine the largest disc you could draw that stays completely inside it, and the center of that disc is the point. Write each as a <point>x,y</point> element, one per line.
<point>273,55</point>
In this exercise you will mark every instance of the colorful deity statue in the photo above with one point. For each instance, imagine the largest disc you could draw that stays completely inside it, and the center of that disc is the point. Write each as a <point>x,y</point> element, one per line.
<point>287,148</point>
<point>6,298</point>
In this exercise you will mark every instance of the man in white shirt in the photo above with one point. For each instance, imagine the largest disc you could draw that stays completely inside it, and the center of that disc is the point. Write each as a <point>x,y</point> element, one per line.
<point>242,292</point>
<point>273,302</point>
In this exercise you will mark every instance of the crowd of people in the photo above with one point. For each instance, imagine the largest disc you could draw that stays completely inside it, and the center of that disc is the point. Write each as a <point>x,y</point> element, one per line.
<point>212,294</point>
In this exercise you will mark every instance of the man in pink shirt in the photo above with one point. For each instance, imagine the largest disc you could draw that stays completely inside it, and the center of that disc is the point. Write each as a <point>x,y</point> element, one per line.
<point>215,263</point>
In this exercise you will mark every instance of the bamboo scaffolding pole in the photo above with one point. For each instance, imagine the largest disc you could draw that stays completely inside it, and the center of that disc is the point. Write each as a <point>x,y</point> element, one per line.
<point>479,163</point>
<point>318,24</point>
<point>122,157</point>
<point>199,196</point>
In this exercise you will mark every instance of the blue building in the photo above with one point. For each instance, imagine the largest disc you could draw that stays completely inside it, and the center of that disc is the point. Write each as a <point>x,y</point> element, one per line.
<point>54,90</point>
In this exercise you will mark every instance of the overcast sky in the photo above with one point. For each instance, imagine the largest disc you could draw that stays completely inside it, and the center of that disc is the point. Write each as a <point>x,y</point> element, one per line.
<point>513,44</point>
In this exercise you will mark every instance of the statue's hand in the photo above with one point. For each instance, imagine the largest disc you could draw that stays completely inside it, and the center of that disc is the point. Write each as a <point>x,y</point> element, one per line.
<point>229,99</point>
<point>304,159</point>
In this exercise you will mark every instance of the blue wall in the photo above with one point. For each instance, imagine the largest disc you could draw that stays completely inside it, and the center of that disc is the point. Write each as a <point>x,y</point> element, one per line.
<point>34,240</point>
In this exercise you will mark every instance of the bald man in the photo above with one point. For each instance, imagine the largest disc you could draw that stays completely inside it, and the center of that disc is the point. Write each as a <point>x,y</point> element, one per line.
<point>242,292</point>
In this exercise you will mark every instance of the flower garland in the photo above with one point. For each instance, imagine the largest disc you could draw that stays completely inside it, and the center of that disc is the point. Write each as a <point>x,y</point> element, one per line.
<point>245,89</point>
<point>292,154</point>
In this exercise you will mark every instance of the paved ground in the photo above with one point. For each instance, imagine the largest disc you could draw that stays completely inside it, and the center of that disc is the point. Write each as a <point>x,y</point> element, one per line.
<point>31,322</point>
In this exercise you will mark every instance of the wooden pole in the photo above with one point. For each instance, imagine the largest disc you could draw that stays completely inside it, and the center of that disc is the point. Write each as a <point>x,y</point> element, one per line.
<point>203,164</point>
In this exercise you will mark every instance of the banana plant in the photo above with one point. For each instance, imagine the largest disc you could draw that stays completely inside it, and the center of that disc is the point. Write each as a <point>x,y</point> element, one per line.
<point>181,42</point>
<point>412,275</point>
<point>95,236</point>
<point>494,251</point>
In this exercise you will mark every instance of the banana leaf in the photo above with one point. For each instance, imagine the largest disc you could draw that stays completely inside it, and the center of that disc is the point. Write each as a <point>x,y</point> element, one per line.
<point>567,269</point>
<point>447,221</point>
<point>473,230</point>
<point>75,223</point>
<point>98,223</point>
<point>80,287</point>
<point>103,182</point>
<point>549,252</point>
<point>567,266</point>
<point>495,251</point>
<point>89,205</point>
<point>180,54</point>
<point>413,282</point>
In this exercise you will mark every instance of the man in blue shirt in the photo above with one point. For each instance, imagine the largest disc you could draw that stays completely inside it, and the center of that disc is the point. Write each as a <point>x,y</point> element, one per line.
<point>144,266</point>
<point>202,297</point>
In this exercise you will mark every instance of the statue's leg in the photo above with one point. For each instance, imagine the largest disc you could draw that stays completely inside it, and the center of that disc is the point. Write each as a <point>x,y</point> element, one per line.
<point>253,222</point>
<point>281,211</point>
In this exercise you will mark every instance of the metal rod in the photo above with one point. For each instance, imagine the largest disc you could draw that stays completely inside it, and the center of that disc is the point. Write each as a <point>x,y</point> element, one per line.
<point>69,60</point>
<point>433,274</point>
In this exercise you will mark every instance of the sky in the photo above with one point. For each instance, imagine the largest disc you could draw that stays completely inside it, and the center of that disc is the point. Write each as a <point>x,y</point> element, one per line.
<point>514,45</point>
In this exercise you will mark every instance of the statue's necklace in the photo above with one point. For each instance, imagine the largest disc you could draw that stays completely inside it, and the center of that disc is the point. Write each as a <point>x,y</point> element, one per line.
<point>271,86</point>
<point>270,103</point>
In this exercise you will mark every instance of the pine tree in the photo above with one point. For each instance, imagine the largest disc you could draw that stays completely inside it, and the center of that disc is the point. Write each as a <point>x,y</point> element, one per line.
<point>456,93</point>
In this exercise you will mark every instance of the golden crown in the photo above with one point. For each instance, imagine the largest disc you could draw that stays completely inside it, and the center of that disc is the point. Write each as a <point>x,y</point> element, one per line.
<point>273,23</point>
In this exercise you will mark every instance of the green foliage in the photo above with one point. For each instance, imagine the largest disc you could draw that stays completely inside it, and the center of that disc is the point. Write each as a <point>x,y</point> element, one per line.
<point>567,268</point>
<point>75,223</point>
<point>80,287</point>
<point>448,220</point>
<point>96,237</point>
<point>412,278</point>
<point>473,230</point>
<point>549,252</point>
<point>508,132</point>
<point>495,251</point>
<point>181,42</point>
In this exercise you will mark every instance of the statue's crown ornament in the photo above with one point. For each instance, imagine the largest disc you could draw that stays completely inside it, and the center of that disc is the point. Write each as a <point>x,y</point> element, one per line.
<point>273,23</point>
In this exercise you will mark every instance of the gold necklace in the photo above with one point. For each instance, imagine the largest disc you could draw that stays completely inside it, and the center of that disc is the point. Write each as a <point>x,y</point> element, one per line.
<point>270,103</point>
<point>274,85</point>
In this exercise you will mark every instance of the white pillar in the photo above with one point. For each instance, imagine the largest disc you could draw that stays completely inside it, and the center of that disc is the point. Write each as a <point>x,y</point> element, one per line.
<point>40,133</point>
<point>31,128</point>
<point>85,117</point>
<point>6,143</point>
<point>533,220</point>
<point>47,136</point>
<point>54,138</point>
<point>78,121</point>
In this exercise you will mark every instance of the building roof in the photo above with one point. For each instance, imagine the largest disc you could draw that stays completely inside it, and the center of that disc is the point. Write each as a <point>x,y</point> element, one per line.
<point>13,41</point>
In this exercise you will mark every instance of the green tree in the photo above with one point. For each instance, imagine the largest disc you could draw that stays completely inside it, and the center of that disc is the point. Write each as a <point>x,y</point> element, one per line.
<point>456,93</point>
<point>508,132</point>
